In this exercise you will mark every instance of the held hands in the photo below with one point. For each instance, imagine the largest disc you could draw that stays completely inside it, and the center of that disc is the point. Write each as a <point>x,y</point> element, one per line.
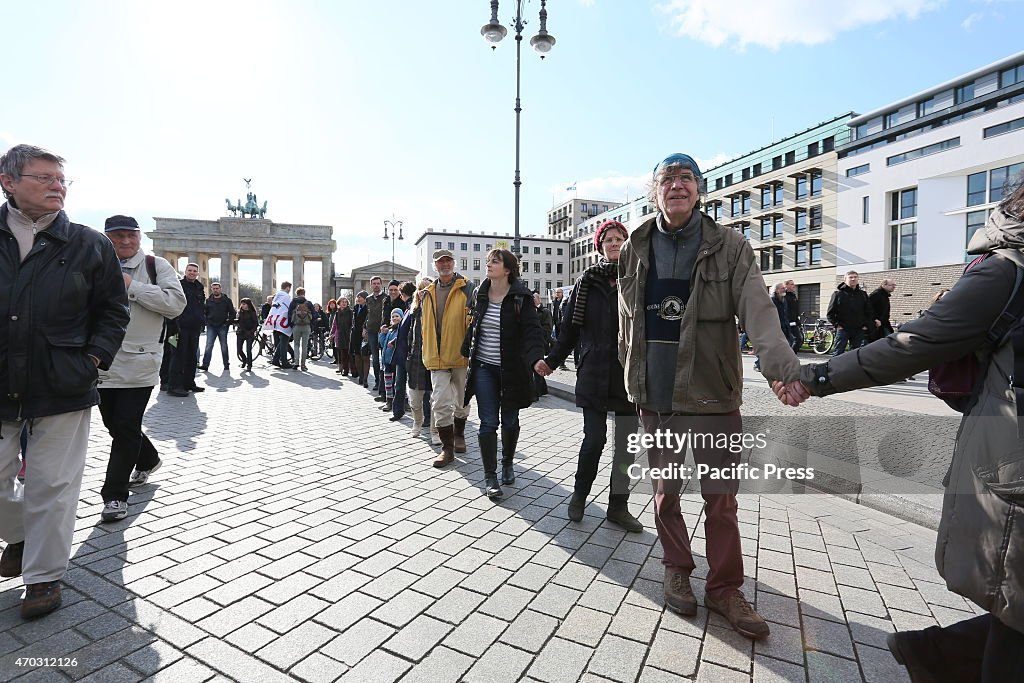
<point>792,394</point>
<point>542,368</point>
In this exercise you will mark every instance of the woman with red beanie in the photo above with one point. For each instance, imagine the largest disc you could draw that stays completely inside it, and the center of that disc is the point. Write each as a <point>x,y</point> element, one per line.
<point>592,323</point>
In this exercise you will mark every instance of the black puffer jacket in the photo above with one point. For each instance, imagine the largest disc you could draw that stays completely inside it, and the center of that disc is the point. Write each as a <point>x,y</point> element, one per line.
<point>522,344</point>
<point>64,302</point>
<point>600,379</point>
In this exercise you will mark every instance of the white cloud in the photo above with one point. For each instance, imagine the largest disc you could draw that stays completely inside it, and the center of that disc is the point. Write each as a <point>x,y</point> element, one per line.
<point>774,24</point>
<point>618,187</point>
<point>973,19</point>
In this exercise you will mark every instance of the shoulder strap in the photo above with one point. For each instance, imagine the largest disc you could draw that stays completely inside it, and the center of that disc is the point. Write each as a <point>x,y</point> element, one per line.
<point>151,267</point>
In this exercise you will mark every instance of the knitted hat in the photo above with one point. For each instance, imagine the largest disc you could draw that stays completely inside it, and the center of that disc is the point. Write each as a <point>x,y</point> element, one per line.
<point>363,293</point>
<point>678,159</point>
<point>399,312</point>
<point>604,227</point>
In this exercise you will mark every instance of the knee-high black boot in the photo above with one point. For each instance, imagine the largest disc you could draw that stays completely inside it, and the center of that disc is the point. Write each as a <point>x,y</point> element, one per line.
<point>489,455</point>
<point>509,440</point>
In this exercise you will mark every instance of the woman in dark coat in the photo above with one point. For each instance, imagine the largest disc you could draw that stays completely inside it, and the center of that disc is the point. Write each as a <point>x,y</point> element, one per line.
<point>591,326</point>
<point>506,342</point>
<point>341,336</point>
<point>356,338</point>
<point>245,331</point>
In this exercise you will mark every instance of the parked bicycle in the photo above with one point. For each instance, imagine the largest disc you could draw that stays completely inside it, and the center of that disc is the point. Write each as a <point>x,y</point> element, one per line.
<point>819,337</point>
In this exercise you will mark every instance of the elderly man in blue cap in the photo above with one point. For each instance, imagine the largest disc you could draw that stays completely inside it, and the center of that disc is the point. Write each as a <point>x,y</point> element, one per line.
<point>683,281</point>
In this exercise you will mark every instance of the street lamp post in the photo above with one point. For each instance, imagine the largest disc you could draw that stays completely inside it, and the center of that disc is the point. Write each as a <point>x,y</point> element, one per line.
<point>396,229</point>
<point>542,43</point>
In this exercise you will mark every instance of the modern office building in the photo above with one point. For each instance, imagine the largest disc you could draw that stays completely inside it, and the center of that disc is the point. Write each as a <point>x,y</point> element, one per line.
<point>582,253</point>
<point>919,176</point>
<point>783,198</point>
<point>564,218</point>
<point>544,260</point>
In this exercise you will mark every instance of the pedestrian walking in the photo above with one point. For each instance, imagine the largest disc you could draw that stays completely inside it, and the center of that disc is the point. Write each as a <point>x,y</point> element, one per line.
<point>592,325</point>
<point>850,311</point>
<point>277,321</point>
<point>154,293</point>
<point>219,311</point>
<point>245,331</point>
<point>505,344</point>
<point>446,305</point>
<point>65,315</point>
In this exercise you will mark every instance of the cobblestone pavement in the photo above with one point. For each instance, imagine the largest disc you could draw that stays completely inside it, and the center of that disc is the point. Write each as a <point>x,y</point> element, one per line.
<point>294,533</point>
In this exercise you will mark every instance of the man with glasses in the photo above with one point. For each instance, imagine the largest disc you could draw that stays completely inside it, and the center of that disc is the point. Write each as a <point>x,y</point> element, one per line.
<point>66,310</point>
<point>683,281</point>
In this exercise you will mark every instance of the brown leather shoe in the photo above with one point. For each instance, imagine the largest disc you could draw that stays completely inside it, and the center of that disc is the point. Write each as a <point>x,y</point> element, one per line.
<point>10,561</point>
<point>460,435</point>
<point>678,592</point>
<point>735,608</point>
<point>40,599</point>
<point>447,455</point>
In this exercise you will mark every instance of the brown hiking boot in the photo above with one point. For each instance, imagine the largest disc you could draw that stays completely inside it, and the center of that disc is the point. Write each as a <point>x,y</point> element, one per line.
<point>447,454</point>
<point>678,593</point>
<point>40,599</point>
<point>460,435</point>
<point>735,608</point>
<point>10,561</point>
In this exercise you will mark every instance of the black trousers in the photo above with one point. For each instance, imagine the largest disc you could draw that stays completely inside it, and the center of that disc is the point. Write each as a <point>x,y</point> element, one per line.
<point>122,411</point>
<point>595,436</point>
<point>183,365</point>
<point>980,649</point>
<point>165,365</point>
<point>244,349</point>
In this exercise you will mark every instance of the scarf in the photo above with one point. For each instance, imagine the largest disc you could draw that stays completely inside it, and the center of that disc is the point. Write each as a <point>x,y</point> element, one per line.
<point>602,270</point>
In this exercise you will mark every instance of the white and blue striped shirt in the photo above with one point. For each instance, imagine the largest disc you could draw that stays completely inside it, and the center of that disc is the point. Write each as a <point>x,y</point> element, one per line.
<point>489,341</point>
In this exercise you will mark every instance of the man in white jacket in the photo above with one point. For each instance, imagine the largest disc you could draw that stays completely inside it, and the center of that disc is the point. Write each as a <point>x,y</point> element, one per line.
<point>154,292</point>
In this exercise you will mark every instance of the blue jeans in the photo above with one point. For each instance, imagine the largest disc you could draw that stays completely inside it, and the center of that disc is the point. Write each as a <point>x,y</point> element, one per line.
<point>401,378</point>
<point>856,338</point>
<point>213,333</point>
<point>487,387</point>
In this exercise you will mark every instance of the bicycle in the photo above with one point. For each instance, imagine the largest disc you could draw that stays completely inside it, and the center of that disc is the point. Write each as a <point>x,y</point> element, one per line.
<point>267,347</point>
<point>819,337</point>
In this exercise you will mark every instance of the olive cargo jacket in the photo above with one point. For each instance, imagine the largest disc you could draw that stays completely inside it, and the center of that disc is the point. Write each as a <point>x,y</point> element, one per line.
<point>726,283</point>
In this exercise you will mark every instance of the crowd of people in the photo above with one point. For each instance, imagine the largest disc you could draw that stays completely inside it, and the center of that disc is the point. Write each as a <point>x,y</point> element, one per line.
<point>653,328</point>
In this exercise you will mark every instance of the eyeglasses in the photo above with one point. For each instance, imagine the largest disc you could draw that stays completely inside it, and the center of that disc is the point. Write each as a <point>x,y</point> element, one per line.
<point>48,179</point>
<point>686,178</point>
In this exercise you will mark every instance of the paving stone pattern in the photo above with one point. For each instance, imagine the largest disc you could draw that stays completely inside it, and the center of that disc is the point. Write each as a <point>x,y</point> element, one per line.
<point>294,533</point>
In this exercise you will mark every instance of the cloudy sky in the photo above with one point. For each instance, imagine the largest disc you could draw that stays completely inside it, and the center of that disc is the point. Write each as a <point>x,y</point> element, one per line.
<point>346,113</point>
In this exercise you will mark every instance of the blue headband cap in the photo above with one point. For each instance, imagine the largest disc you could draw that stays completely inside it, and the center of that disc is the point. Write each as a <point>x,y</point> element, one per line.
<point>678,160</point>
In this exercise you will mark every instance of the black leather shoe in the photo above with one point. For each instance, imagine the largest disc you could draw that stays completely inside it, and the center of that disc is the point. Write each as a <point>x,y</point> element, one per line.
<point>181,393</point>
<point>508,474</point>
<point>197,390</point>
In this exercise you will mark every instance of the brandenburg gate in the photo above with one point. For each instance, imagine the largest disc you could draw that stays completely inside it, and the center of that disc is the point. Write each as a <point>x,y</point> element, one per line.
<point>233,238</point>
